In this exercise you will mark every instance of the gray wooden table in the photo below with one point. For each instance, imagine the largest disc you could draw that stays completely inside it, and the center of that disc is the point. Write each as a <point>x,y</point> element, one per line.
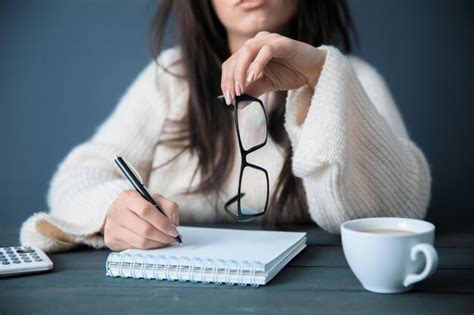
<point>317,281</point>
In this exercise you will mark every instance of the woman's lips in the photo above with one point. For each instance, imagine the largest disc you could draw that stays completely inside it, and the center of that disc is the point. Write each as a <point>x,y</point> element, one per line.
<point>250,4</point>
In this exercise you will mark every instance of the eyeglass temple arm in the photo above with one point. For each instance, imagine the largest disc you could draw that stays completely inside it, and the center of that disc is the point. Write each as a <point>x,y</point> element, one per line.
<point>221,99</point>
<point>234,199</point>
<point>242,97</point>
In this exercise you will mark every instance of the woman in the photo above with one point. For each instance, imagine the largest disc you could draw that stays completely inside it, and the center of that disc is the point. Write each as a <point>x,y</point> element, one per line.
<point>337,147</point>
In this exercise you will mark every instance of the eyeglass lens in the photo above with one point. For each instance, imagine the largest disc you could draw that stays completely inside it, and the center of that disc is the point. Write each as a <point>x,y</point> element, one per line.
<point>252,116</point>
<point>253,193</point>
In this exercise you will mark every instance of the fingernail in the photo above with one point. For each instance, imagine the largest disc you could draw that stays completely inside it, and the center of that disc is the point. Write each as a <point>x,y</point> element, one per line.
<point>250,76</point>
<point>175,218</point>
<point>227,97</point>
<point>238,91</point>
<point>172,231</point>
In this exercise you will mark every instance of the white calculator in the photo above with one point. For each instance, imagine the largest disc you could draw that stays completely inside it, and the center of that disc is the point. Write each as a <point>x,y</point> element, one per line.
<point>17,260</point>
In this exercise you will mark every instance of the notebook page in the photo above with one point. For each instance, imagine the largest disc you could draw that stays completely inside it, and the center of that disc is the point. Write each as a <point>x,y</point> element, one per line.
<point>226,244</point>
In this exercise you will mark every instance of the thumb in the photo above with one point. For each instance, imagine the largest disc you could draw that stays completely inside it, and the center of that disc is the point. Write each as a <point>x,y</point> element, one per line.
<point>259,86</point>
<point>169,207</point>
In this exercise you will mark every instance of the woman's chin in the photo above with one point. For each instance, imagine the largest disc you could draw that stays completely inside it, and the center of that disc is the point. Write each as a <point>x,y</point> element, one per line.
<point>254,24</point>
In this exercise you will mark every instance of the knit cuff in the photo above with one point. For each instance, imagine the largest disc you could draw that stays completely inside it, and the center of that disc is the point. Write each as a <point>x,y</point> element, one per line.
<point>313,116</point>
<point>60,231</point>
<point>353,164</point>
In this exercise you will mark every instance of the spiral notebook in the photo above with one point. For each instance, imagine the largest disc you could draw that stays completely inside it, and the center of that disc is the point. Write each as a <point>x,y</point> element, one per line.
<point>212,255</point>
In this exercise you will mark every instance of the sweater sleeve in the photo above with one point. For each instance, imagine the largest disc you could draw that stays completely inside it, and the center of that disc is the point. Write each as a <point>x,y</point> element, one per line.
<point>351,148</point>
<point>87,181</point>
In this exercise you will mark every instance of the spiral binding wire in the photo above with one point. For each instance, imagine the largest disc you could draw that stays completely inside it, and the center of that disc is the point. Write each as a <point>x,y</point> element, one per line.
<point>145,264</point>
<point>175,268</point>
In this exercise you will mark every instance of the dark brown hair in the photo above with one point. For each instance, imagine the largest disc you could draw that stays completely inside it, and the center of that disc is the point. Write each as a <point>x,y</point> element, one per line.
<point>205,130</point>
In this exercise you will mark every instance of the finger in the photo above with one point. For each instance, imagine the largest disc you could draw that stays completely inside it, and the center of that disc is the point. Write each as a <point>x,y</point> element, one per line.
<point>262,34</point>
<point>140,226</point>
<point>256,67</point>
<point>227,79</point>
<point>118,237</point>
<point>134,240</point>
<point>117,245</point>
<point>148,212</point>
<point>246,54</point>
<point>169,207</point>
<point>259,86</point>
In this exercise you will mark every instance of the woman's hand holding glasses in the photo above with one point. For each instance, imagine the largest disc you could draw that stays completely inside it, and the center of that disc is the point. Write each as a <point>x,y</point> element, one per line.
<point>270,62</point>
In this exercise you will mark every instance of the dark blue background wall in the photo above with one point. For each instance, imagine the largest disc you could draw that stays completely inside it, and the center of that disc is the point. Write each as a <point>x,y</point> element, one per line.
<point>64,64</point>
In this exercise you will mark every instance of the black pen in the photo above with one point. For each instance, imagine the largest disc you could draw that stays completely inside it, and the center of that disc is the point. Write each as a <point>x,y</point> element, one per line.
<point>137,184</point>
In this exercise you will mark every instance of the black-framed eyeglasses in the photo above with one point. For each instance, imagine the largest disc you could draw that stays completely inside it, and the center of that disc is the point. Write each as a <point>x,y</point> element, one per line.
<point>250,140</point>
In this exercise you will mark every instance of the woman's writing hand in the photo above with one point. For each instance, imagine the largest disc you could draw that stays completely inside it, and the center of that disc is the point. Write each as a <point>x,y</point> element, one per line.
<point>270,62</point>
<point>133,222</point>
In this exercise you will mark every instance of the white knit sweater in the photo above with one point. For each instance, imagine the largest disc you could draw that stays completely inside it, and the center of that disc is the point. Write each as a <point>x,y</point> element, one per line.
<point>350,147</point>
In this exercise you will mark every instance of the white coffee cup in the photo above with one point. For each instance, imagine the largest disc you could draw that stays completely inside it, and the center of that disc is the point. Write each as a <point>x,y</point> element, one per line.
<point>387,261</point>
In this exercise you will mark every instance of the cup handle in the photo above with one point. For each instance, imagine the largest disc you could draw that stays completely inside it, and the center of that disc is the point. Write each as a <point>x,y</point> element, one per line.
<point>430,266</point>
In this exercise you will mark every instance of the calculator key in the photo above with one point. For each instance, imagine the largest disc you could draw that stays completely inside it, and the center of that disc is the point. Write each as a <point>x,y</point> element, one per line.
<point>5,263</point>
<point>16,261</point>
<point>27,260</point>
<point>38,259</point>
<point>22,251</point>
